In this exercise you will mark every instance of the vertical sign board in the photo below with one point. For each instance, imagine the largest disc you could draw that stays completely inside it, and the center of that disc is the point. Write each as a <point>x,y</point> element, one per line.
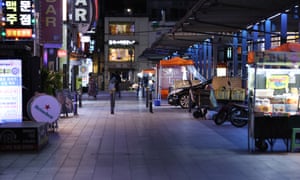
<point>18,16</point>
<point>10,90</point>
<point>51,21</point>
<point>83,14</point>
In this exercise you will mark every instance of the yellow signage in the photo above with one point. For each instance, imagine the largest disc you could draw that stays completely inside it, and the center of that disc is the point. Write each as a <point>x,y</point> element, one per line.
<point>277,81</point>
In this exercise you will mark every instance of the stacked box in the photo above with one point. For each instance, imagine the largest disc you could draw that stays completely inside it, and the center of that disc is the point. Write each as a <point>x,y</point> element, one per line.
<point>222,94</point>
<point>238,94</point>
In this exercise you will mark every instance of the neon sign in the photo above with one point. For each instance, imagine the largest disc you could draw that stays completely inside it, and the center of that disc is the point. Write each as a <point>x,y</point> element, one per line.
<point>18,19</point>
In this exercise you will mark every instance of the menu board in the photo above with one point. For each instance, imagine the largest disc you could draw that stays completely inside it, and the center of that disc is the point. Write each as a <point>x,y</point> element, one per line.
<point>10,90</point>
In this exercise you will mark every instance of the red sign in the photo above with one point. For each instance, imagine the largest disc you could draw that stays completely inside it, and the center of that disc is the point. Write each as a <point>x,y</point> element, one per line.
<point>51,21</point>
<point>61,53</point>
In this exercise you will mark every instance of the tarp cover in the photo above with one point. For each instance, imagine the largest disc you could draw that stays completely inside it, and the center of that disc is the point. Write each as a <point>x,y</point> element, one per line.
<point>176,61</point>
<point>287,47</point>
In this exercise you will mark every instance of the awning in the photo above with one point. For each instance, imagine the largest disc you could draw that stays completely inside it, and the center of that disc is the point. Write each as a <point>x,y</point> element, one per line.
<point>220,20</point>
<point>176,61</point>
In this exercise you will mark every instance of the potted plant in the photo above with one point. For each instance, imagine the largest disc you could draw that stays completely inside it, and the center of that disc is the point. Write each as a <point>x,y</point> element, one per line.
<point>50,81</point>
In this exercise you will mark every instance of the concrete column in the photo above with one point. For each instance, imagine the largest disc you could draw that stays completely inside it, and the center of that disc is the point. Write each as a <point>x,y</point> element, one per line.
<point>267,34</point>
<point>235,55</point>
<point>255,38</point>
<point>283,33</point>
<point>244,57</point>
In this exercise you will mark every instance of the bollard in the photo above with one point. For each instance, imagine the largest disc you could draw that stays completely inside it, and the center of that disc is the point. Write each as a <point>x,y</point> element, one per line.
<point>75,103</point>
<point>147,97</point>
<point>80,97</point>
<point>112,101</point>
<point>143,91</point>
<point>190,100</point>
<point>150,103</point>
<point>80,100</point>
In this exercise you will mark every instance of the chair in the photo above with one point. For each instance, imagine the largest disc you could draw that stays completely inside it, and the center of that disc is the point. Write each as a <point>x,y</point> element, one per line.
<point>294,144</point>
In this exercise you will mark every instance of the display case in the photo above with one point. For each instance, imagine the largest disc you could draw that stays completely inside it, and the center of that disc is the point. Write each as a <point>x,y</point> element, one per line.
<point>273,89</point>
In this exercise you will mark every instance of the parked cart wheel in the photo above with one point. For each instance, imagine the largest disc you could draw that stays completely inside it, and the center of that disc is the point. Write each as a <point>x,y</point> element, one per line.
<point>197,114</point>
<point>220,118</point>
<point>261,144</point>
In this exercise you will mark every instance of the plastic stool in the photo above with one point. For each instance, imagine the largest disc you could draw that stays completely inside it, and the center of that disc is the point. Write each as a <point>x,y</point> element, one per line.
<point>294,145</point>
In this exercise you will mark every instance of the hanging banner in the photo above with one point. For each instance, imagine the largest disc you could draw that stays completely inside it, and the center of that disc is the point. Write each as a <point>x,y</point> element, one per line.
<point>51,21</point>
<point>10,90</point>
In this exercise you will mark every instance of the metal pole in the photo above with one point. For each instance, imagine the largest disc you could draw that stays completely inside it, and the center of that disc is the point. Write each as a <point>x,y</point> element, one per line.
<point>112,101</point>
<point>80,97</point>
<point>75,103</point>
<point>150,102</point>
<point>147,97</point>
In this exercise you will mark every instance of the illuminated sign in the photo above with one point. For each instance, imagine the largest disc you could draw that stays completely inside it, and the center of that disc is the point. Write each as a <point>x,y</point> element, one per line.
<point>18,33</point>
<point>84,13</point>
<point>61,53</point>
<point>81,11</point>
<point>10,91</point>
<point>121,42</point>
<point>18,18</point>
<point>51,21</point>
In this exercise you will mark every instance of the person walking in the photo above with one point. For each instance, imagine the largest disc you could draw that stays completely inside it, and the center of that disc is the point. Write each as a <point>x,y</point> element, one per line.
<point>92,88</point>
<point>118,83</point>
<point>112,92</point>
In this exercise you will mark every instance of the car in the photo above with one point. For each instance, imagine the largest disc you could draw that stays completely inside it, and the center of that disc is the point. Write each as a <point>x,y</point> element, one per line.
<point>180,96</point>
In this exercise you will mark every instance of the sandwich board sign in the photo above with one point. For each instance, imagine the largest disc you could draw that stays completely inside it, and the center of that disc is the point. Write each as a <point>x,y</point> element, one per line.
<point>10,90</point>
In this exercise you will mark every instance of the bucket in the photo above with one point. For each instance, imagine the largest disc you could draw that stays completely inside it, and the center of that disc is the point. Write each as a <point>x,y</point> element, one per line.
<point>156,102</point>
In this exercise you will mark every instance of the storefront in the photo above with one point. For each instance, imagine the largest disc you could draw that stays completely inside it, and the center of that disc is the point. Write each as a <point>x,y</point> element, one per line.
<point>273,88</point>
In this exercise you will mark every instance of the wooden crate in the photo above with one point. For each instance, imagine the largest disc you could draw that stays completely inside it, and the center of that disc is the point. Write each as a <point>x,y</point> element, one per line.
<point>238,94</point>
<point>222,94</point>
<point>222,82</point>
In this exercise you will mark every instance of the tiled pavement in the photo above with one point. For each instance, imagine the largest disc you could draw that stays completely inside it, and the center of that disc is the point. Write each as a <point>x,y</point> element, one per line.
<point>134,144</point>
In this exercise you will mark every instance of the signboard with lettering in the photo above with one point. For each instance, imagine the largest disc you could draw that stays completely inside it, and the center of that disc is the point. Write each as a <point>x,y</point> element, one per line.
<point>18,19</point>
<point>44,108</point>
<point>84,13</point>
<point>277,58</point>
<point>51,21</point>
<point>10,91</point>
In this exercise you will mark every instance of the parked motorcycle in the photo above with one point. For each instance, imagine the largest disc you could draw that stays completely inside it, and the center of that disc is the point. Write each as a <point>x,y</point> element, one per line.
<point>235,113</point>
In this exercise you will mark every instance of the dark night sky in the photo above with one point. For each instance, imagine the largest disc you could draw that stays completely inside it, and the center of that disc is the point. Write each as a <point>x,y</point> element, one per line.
<point>138,6</point>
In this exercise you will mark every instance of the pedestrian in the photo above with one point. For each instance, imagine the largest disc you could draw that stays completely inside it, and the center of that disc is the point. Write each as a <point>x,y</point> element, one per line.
<point>92,87</point>
<point>112,92</point>
<point>118,83</point>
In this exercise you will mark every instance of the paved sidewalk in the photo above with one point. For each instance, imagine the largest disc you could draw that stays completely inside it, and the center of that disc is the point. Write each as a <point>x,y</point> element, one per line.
<point>134,144</point>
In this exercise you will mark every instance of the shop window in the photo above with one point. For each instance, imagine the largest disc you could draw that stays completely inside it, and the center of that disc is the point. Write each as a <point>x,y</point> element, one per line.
<point>121,28</point>
<point>118,54</point>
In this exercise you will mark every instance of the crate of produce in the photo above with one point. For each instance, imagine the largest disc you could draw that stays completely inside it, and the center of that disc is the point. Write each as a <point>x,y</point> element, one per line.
<point>222,94</point>
<point>238,94</point>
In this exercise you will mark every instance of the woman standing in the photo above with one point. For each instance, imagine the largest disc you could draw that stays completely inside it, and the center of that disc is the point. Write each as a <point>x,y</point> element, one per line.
<point>92,91</point>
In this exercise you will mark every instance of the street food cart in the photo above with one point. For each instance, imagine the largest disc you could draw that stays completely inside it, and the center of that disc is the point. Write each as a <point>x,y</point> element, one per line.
<point>273,89</point>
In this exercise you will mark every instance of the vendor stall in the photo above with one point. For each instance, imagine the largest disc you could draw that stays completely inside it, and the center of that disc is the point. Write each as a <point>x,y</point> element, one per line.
<point>173,70</point>
<point>273,84</point>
